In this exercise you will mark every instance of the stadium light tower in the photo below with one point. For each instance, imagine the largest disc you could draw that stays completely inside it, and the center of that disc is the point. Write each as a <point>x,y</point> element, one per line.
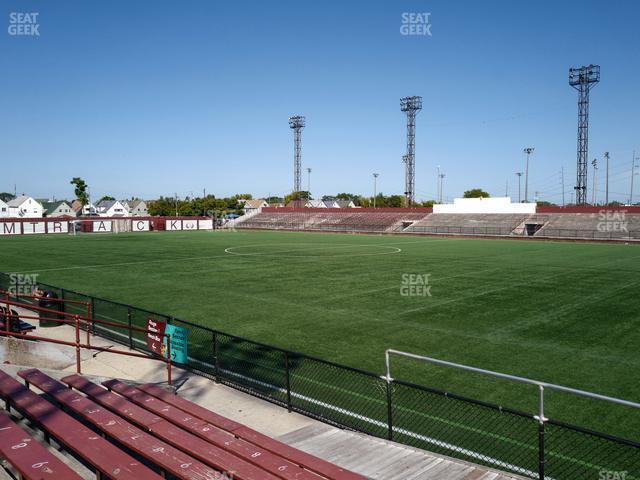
<point>528,151</point>
<point>411,106</point>
<point>583,79</point>
<point>297,123</point>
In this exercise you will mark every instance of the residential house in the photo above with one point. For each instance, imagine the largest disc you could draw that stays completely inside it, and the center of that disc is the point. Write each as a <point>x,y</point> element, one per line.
<point>137,208</point>
<point>89,210</point>
<point>57,209</point>
<point>253,205</point>
<point>315,204</point>
<point>346,204</point>
<point>4,209</point>
<point>24,207</point>
<point>331,204</point>
<point>112,208</point>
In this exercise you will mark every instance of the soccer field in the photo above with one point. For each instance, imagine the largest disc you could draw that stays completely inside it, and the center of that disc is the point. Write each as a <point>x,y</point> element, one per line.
<point>566,313</point>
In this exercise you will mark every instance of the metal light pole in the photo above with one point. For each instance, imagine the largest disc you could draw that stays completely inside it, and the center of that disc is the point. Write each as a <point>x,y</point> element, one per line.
<point>441,180</point>
<point>606,189</point>
<point>633,174</point>
<point>375,193</point>
<point>594,190</point>
<point>562,181</point>
<point>519,174</point>
<point>528,151</point>
<point>308,183</point>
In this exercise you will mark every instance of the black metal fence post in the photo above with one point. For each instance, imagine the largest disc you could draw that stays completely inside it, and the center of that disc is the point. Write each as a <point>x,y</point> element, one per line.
<point>216,363</point>
<point>130,324</point>
<point>389,409</point>
<point>288,379</point>
<point>93,315</point>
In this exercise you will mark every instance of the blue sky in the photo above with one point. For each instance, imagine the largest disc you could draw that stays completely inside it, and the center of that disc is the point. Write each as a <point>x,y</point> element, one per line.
<point>149,98</point>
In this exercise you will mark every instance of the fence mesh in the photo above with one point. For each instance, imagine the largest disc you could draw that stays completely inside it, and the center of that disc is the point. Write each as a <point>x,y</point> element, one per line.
<point>411,414</point>
<point>465,429</point>
<point>572,452</point>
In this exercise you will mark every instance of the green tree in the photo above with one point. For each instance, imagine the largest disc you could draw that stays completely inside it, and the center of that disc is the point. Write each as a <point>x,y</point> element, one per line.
<point>80,190</point>
<point>106,198</point>
<point>301,195</point>
<point>476,193</point>
<point>5,196</point>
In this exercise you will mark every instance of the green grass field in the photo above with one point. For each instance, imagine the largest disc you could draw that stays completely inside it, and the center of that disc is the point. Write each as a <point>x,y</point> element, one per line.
<point>565,313</point>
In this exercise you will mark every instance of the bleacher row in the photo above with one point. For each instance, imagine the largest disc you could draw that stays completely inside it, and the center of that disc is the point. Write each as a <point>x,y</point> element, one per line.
<point>624,226</point>
<point>331,221</point>
<point>119,431</point>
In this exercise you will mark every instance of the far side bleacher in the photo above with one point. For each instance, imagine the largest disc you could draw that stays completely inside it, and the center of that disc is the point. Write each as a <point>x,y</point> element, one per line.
<point>601,224</point>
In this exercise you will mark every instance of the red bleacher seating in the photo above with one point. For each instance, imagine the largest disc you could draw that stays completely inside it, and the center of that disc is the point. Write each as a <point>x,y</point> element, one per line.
<point>204,431</point>
<point>30,459</point>
<point>102,455</point>
<point>243,432</point>
<point>167,458</point>
<point>138,430</point>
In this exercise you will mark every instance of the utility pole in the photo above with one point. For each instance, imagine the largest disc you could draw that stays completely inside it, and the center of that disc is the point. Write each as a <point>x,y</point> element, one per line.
<point>441,180</point>
<point>528,151</point>
<point>562,181</point>
<point>308,183</point>
<point>519,174</point>
<point>634,167</point>
<point>176,198</point>
<point>438,185</point>
<point>594,189</point>
<point>375,186</point>
<point>606,190</point>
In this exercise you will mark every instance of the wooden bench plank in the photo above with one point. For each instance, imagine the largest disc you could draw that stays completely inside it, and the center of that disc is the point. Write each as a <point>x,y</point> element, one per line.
<point>75,437</point>
<point>30,459</point>
<point>165,456</point>
<point>219,458</point>
<point>215,436</point>
<point>285,451</point>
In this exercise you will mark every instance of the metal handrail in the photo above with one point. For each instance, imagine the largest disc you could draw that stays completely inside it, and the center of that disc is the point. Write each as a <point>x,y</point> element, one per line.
<point>76,319</point>
<point>541,385</point>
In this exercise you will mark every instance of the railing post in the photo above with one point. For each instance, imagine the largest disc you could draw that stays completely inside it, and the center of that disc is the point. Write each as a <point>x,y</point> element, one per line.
<point>287,379</point>
<point>130,324</point>
<point>78,368</point>
<point>168,337</point>
<point>541,448</point>
<point>389,409</point>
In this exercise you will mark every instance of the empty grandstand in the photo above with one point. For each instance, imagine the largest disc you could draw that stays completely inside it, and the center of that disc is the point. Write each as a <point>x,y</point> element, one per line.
<point>590,224</point>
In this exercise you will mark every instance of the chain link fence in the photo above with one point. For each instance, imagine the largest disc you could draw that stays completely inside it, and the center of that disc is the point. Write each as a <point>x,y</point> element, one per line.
<point>414,415</point>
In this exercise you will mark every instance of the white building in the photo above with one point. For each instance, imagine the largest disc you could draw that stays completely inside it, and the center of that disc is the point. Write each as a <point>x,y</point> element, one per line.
<point>4,209</point>
<point>253,205</point>
<point>315,204</point>
<point>112,208</point>
<point>137,208</point>
<point>24,207</point>
<point>57,209</point>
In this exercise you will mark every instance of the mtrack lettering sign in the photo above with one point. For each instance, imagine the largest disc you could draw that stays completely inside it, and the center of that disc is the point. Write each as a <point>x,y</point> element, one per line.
<point>36,226</point>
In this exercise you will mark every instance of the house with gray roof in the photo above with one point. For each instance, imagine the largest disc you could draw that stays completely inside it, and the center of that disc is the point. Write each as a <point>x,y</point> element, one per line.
<point>137,208</point>
<point>24,207</point>
<point>57,209</point>
<point>112,208</point>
